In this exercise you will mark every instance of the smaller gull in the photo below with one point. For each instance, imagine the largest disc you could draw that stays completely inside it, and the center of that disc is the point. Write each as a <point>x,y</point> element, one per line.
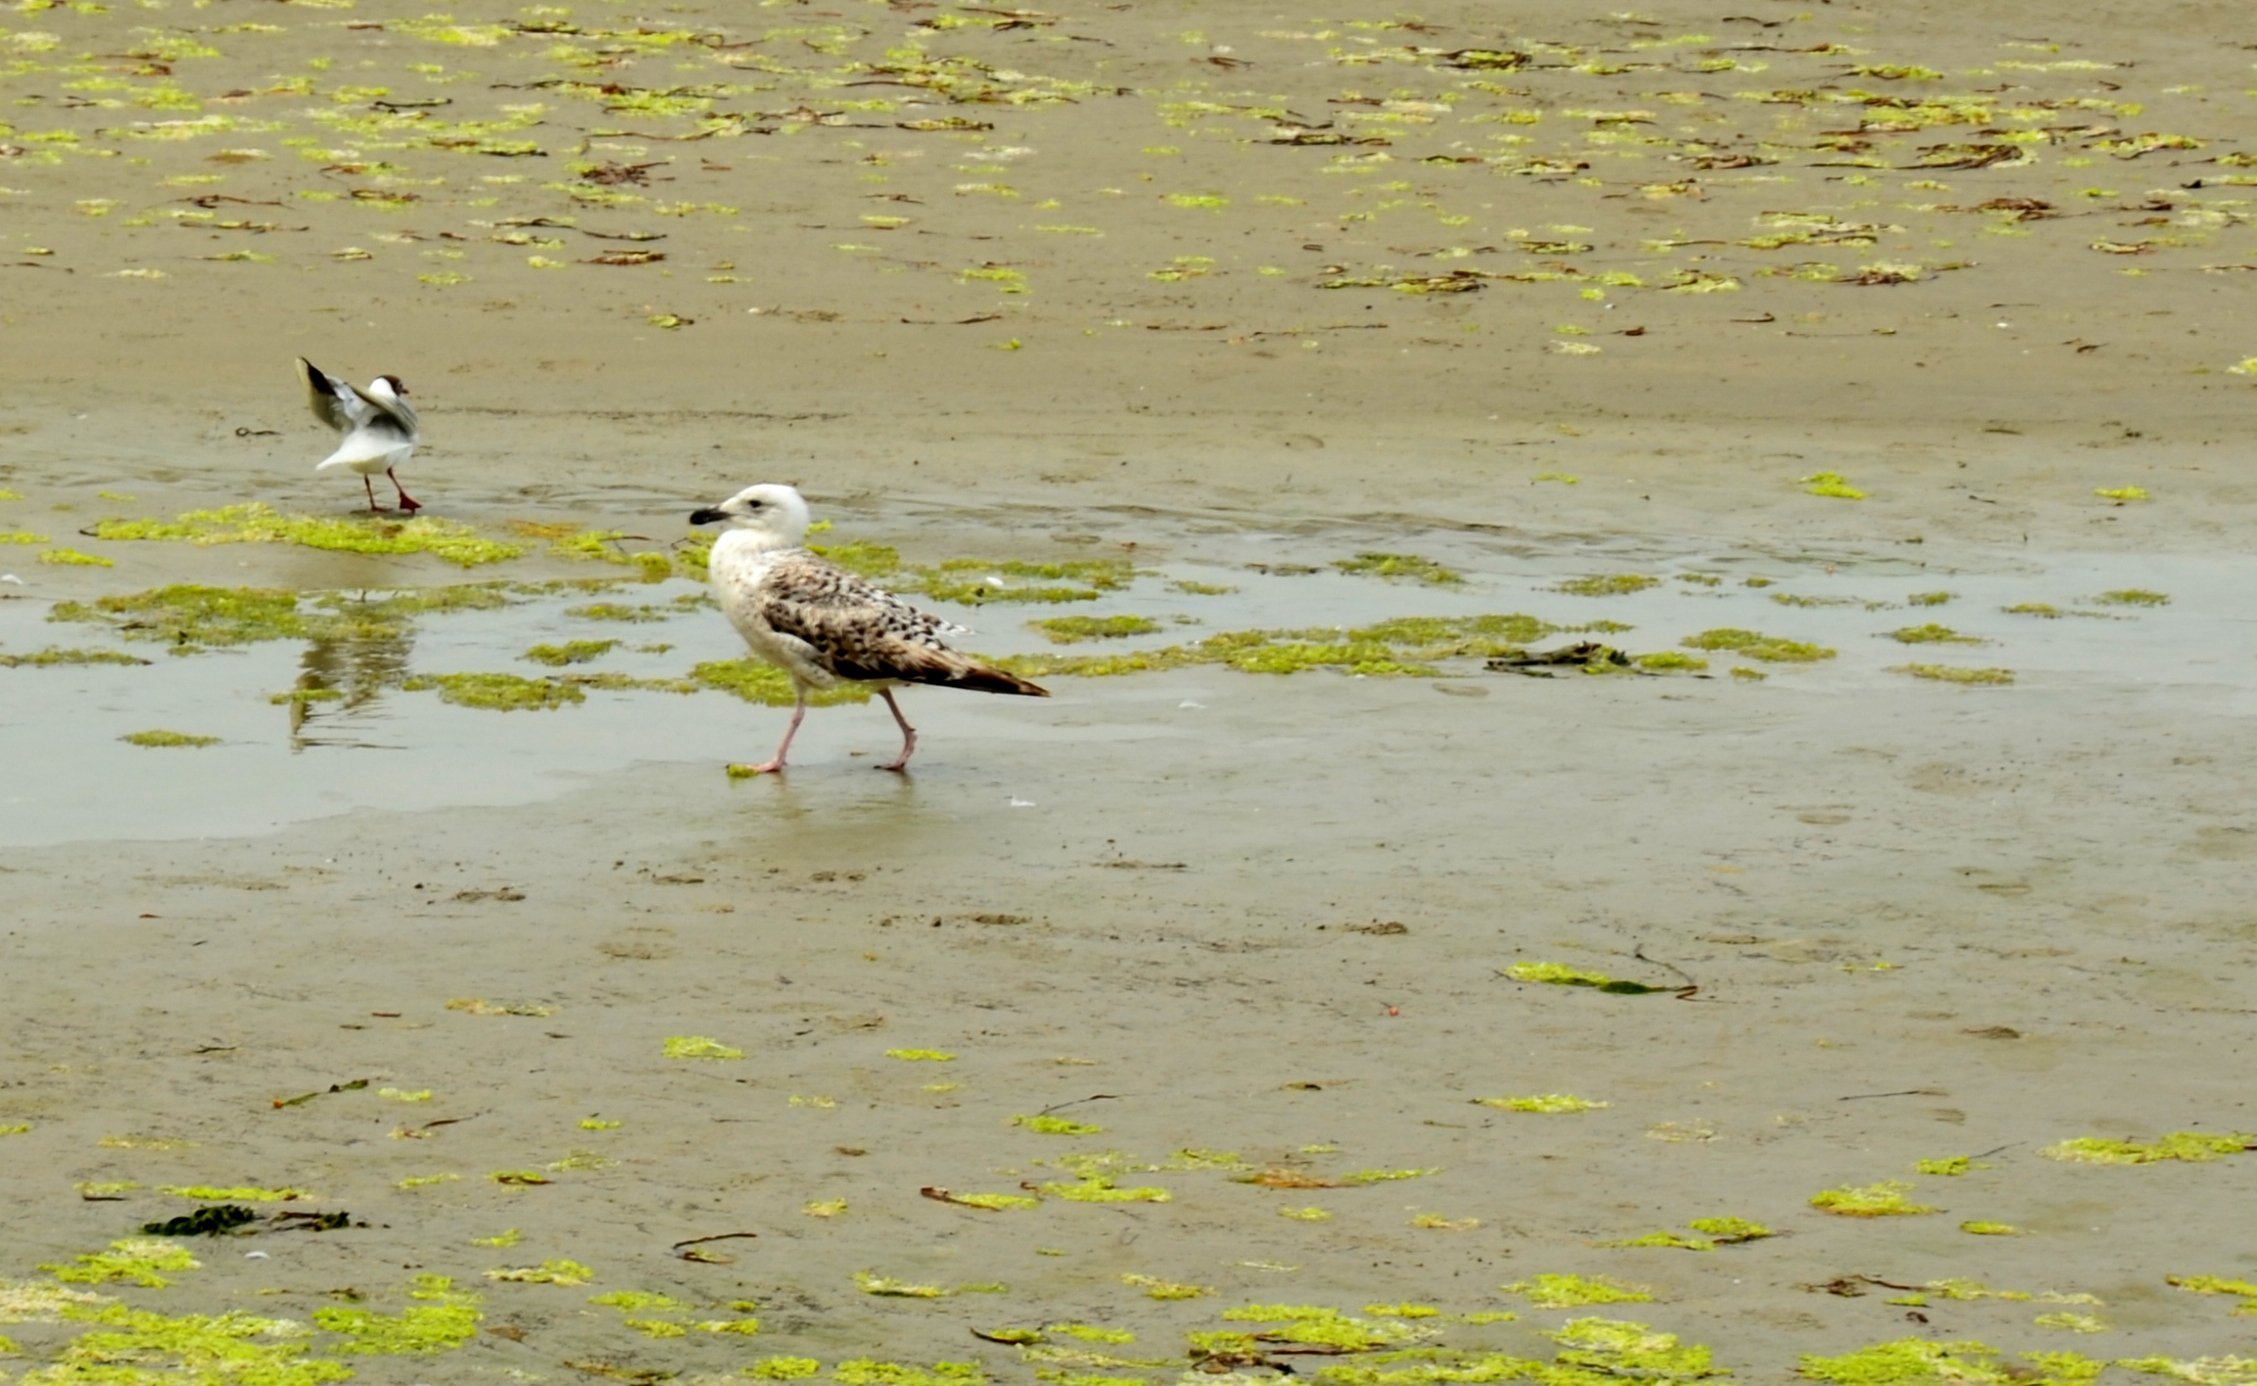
<point>378,426</point>
<point>823,625</point>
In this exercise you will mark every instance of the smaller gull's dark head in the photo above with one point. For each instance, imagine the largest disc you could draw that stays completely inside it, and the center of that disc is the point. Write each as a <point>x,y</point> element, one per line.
<point>398,387</point>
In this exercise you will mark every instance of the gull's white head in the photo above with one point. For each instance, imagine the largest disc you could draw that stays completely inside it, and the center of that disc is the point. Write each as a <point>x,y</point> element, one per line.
<point>388,386</point>
<point>775,513</point>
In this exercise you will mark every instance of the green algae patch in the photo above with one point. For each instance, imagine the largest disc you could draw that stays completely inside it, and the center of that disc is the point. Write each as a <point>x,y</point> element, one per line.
<point>1097,1188</point>
<point>864,1371</point>
<point>1990,1229</point>
<point>242,1194</point>
<point>1073,630</point>
<point>1386,1176</point>
<point>188,615</point>
<point>1949,1166</point>
<point>976,581</point>
<point>756,682</point>
<point>2044,609</point>
<point>1407,566</point>
<point>886,1286</point>
<point>699,1047</point>
<point>1910,1362</point>
<point>1670,662</point>
<point>1957,673</point>
<point>1561,975</point>
<point>2121,494</point>
<point>167,738</point>
<point>921,1056</point>
<point>257,523</point>
<point>869,560</point>
<point>498,692</point>
<point>1056,1126</point>
<point>2219,1285</point>
<point>1574,1291</point>
<point>446,1319</point>
<point>1883,1200</point>
<point>1768,648</point>
<point>1716,1232</point>
<point>2177,1145</point>
<point>2133,596</point>
<point>1832,485</point>
<point>1548,1103</point>
<point>783,1369</point>
<point>637,1301</point>
<point>57,657</point>
<point>551,1272</point>
<point>995,1202</point>
<point>133,1261</point>
<point>1931,634</point>
<point>74,558</point>
<point>230,1347</point>
<point>1612,585</point>
<point>1616,1350</point>
<point>1928,599</point>
<point>570,652</point>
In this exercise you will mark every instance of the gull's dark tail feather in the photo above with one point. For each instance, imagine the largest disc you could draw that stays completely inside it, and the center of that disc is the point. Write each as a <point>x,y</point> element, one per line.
<point>986,680</point>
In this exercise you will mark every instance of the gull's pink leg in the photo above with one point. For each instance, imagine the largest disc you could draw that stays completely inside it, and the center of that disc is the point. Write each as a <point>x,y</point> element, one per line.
<point>908,733</point>
<point>407,502</point>
<point>370,487</point>
<point>799,710</point>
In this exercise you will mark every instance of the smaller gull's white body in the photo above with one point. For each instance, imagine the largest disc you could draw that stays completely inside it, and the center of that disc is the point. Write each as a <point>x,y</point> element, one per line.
<point>377,427</point>
<point>823,625</point>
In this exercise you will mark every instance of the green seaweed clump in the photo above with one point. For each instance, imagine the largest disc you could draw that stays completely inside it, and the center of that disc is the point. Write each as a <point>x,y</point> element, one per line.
<point>1561,975</point>
<point>1931,634</point>
<point>1098,1188</point>
<point>54,657</point>
<point>189,1347</point>
<point>447,1319</point>
<point>1617,1350</point>
<point>1400,565</point>
<point>1831,484</point>
<point>1549,1291</point>
<point>73,558</point>
<point>257,523</point>
<point>699,1047</point>
<point>869,560</point>
<point>188,615</point>
<point>1949,1165</point>
<point>1613,585</point>
<point>498,692</point>
<point>1954,673</point>
<point>1718,1232</point>
<point>1550,1102</point>
<point>864,1371</point>
<point>1927,599</point>
<point>555,1271</point>
<point>167,738</point>
<point>2177,1145</point>
<point>1910,1362</point>
<point>1661,661</point>
<point>756,682</point>
<point>1990,1229</point>
<point>1770,649</point>
<point>570,652</point>
<point>2133,596</point>
<point>1070,630</point>
<point>973,581</point>
<point>1883,1200</point>
<point>139,1262</point>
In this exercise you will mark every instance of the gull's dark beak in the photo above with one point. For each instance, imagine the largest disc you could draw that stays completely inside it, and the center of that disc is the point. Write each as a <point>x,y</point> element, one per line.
<point>706,517</point>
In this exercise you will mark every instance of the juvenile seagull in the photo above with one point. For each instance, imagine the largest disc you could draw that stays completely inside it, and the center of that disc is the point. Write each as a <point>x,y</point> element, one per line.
<point>378,425</point>
<point>821,624</point>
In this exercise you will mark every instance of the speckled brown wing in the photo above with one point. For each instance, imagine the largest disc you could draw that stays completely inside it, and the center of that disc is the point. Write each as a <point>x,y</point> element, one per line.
<point>857,630</point>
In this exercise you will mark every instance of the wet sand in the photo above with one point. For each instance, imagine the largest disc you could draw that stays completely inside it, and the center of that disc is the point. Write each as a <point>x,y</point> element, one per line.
<point>1255,927</point>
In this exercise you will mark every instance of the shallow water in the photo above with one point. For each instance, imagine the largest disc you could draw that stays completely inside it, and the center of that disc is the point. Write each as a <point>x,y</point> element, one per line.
<point>384,748</point>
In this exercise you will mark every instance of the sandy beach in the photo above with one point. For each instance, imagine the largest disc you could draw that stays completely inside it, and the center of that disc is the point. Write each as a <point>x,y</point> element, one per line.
<point>1839,976</point>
